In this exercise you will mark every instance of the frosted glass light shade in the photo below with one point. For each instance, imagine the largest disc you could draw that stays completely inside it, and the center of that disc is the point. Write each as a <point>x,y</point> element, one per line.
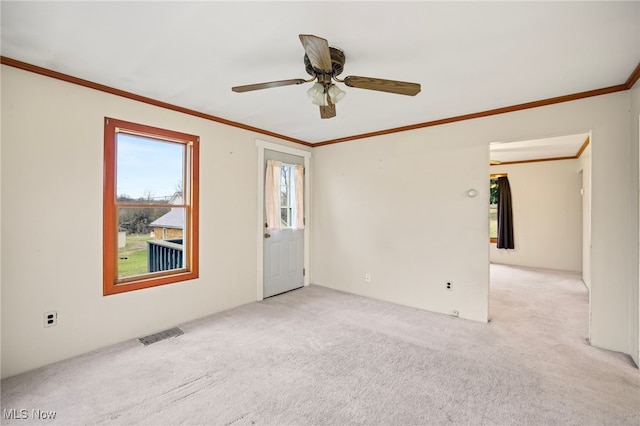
<point>335,94</point>
<point>317,95</point>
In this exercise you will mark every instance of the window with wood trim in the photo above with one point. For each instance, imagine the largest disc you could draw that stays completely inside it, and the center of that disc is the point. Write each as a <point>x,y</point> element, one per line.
<point>150,224</point>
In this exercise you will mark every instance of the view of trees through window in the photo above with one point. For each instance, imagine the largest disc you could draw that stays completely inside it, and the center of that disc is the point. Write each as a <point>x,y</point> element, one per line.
<point>493,208</point>
<point>148,184</point>
<point>136,220</point>
<point>286,195</point>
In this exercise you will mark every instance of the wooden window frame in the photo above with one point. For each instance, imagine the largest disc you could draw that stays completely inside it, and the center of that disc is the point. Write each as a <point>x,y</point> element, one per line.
<point>111,283</point>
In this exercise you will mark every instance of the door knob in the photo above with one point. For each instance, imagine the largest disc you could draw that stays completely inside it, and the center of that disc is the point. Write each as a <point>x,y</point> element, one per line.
<point>267,235</point>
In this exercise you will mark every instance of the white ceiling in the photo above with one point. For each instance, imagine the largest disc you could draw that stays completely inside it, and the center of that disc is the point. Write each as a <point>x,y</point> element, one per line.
<point>538,149</point>
<point>468,56</point>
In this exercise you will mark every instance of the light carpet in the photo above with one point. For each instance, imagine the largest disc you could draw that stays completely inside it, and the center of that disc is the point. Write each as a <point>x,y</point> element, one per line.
<point>317,356</point>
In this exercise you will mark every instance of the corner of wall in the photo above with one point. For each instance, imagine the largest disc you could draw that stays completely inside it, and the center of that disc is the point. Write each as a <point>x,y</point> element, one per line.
<point>634,215</point>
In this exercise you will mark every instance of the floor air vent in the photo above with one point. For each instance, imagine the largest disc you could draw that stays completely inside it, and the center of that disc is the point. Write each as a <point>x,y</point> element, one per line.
<point>162,335</point>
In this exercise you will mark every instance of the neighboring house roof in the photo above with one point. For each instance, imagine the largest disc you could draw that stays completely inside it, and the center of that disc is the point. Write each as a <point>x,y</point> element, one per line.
<point>173,219</point>
<point>176,198</point>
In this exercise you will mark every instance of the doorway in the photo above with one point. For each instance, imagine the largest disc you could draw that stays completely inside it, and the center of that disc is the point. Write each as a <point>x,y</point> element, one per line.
<point>283,250</point>
<point>550,182</point>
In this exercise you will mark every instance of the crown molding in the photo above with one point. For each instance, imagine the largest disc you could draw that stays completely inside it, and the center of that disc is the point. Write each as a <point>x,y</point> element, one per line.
<point>503,110</point>
<point>635,75</point>
<point>583,147</point>
<point>100,87</point>
<point>538,160</point>
<point>633,78</point>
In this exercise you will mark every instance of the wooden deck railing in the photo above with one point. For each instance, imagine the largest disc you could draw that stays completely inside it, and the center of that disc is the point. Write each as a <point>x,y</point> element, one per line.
<point>165,255</point>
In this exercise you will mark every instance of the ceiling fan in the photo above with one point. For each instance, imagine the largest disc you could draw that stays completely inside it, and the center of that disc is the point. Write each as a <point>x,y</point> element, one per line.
<point>324,64</point>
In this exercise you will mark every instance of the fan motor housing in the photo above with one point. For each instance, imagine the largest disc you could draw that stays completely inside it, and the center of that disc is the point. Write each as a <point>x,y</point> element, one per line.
<point>337,63</point>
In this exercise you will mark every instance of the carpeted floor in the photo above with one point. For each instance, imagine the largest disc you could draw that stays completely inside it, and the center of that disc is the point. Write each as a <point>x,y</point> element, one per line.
<point>316,356</point>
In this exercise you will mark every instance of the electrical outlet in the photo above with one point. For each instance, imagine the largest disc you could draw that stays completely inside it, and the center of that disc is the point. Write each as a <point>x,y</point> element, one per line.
<point>449,285</point>
<point>50,318</point>
<point>455,313</point>
<point>367,278</point>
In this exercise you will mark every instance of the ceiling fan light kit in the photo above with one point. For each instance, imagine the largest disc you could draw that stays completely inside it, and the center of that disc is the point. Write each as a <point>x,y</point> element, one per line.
<point>324,64</point>
<point>323,95</point>
<point>317,94</point>
<point>335,93</point>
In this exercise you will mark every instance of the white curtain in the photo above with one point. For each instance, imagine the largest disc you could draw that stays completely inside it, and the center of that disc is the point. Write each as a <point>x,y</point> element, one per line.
<point>272,194</point>
<point>298,216</point>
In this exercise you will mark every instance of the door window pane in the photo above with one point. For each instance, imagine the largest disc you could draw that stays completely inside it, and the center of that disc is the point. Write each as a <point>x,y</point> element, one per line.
<point>286,199</point>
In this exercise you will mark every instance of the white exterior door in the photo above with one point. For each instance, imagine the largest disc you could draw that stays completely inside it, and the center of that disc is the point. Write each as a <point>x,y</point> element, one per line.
<point>283,261</point>
<point>284,248</point>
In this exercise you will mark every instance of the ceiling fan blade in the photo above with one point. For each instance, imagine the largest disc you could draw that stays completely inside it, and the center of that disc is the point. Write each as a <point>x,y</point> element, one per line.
<point>268,85</point>
<point>317,50</point>
<point>328,111</point>
<point>381,85</point>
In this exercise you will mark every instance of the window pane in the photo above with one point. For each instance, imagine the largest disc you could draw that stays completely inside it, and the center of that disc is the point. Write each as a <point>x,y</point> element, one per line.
<point>284,196</point>
<point>285,175</point>
<point>493,192</point>
<point>150,240</point>
<point>148,170</point>
<point>493,208</point>
<point>493,222</point>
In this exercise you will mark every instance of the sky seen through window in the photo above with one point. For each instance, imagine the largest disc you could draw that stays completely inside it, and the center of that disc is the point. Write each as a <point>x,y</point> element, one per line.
<point>148,167</point>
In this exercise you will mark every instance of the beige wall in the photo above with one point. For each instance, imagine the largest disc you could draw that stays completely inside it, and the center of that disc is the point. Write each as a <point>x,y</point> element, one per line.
<point>395,206</point>
<point>585,167</point>
<point>547,215</point>
<point>52,151</point>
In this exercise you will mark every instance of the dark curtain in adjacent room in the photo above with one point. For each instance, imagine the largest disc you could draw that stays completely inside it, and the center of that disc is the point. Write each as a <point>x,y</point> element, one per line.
<point>505,215</point>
